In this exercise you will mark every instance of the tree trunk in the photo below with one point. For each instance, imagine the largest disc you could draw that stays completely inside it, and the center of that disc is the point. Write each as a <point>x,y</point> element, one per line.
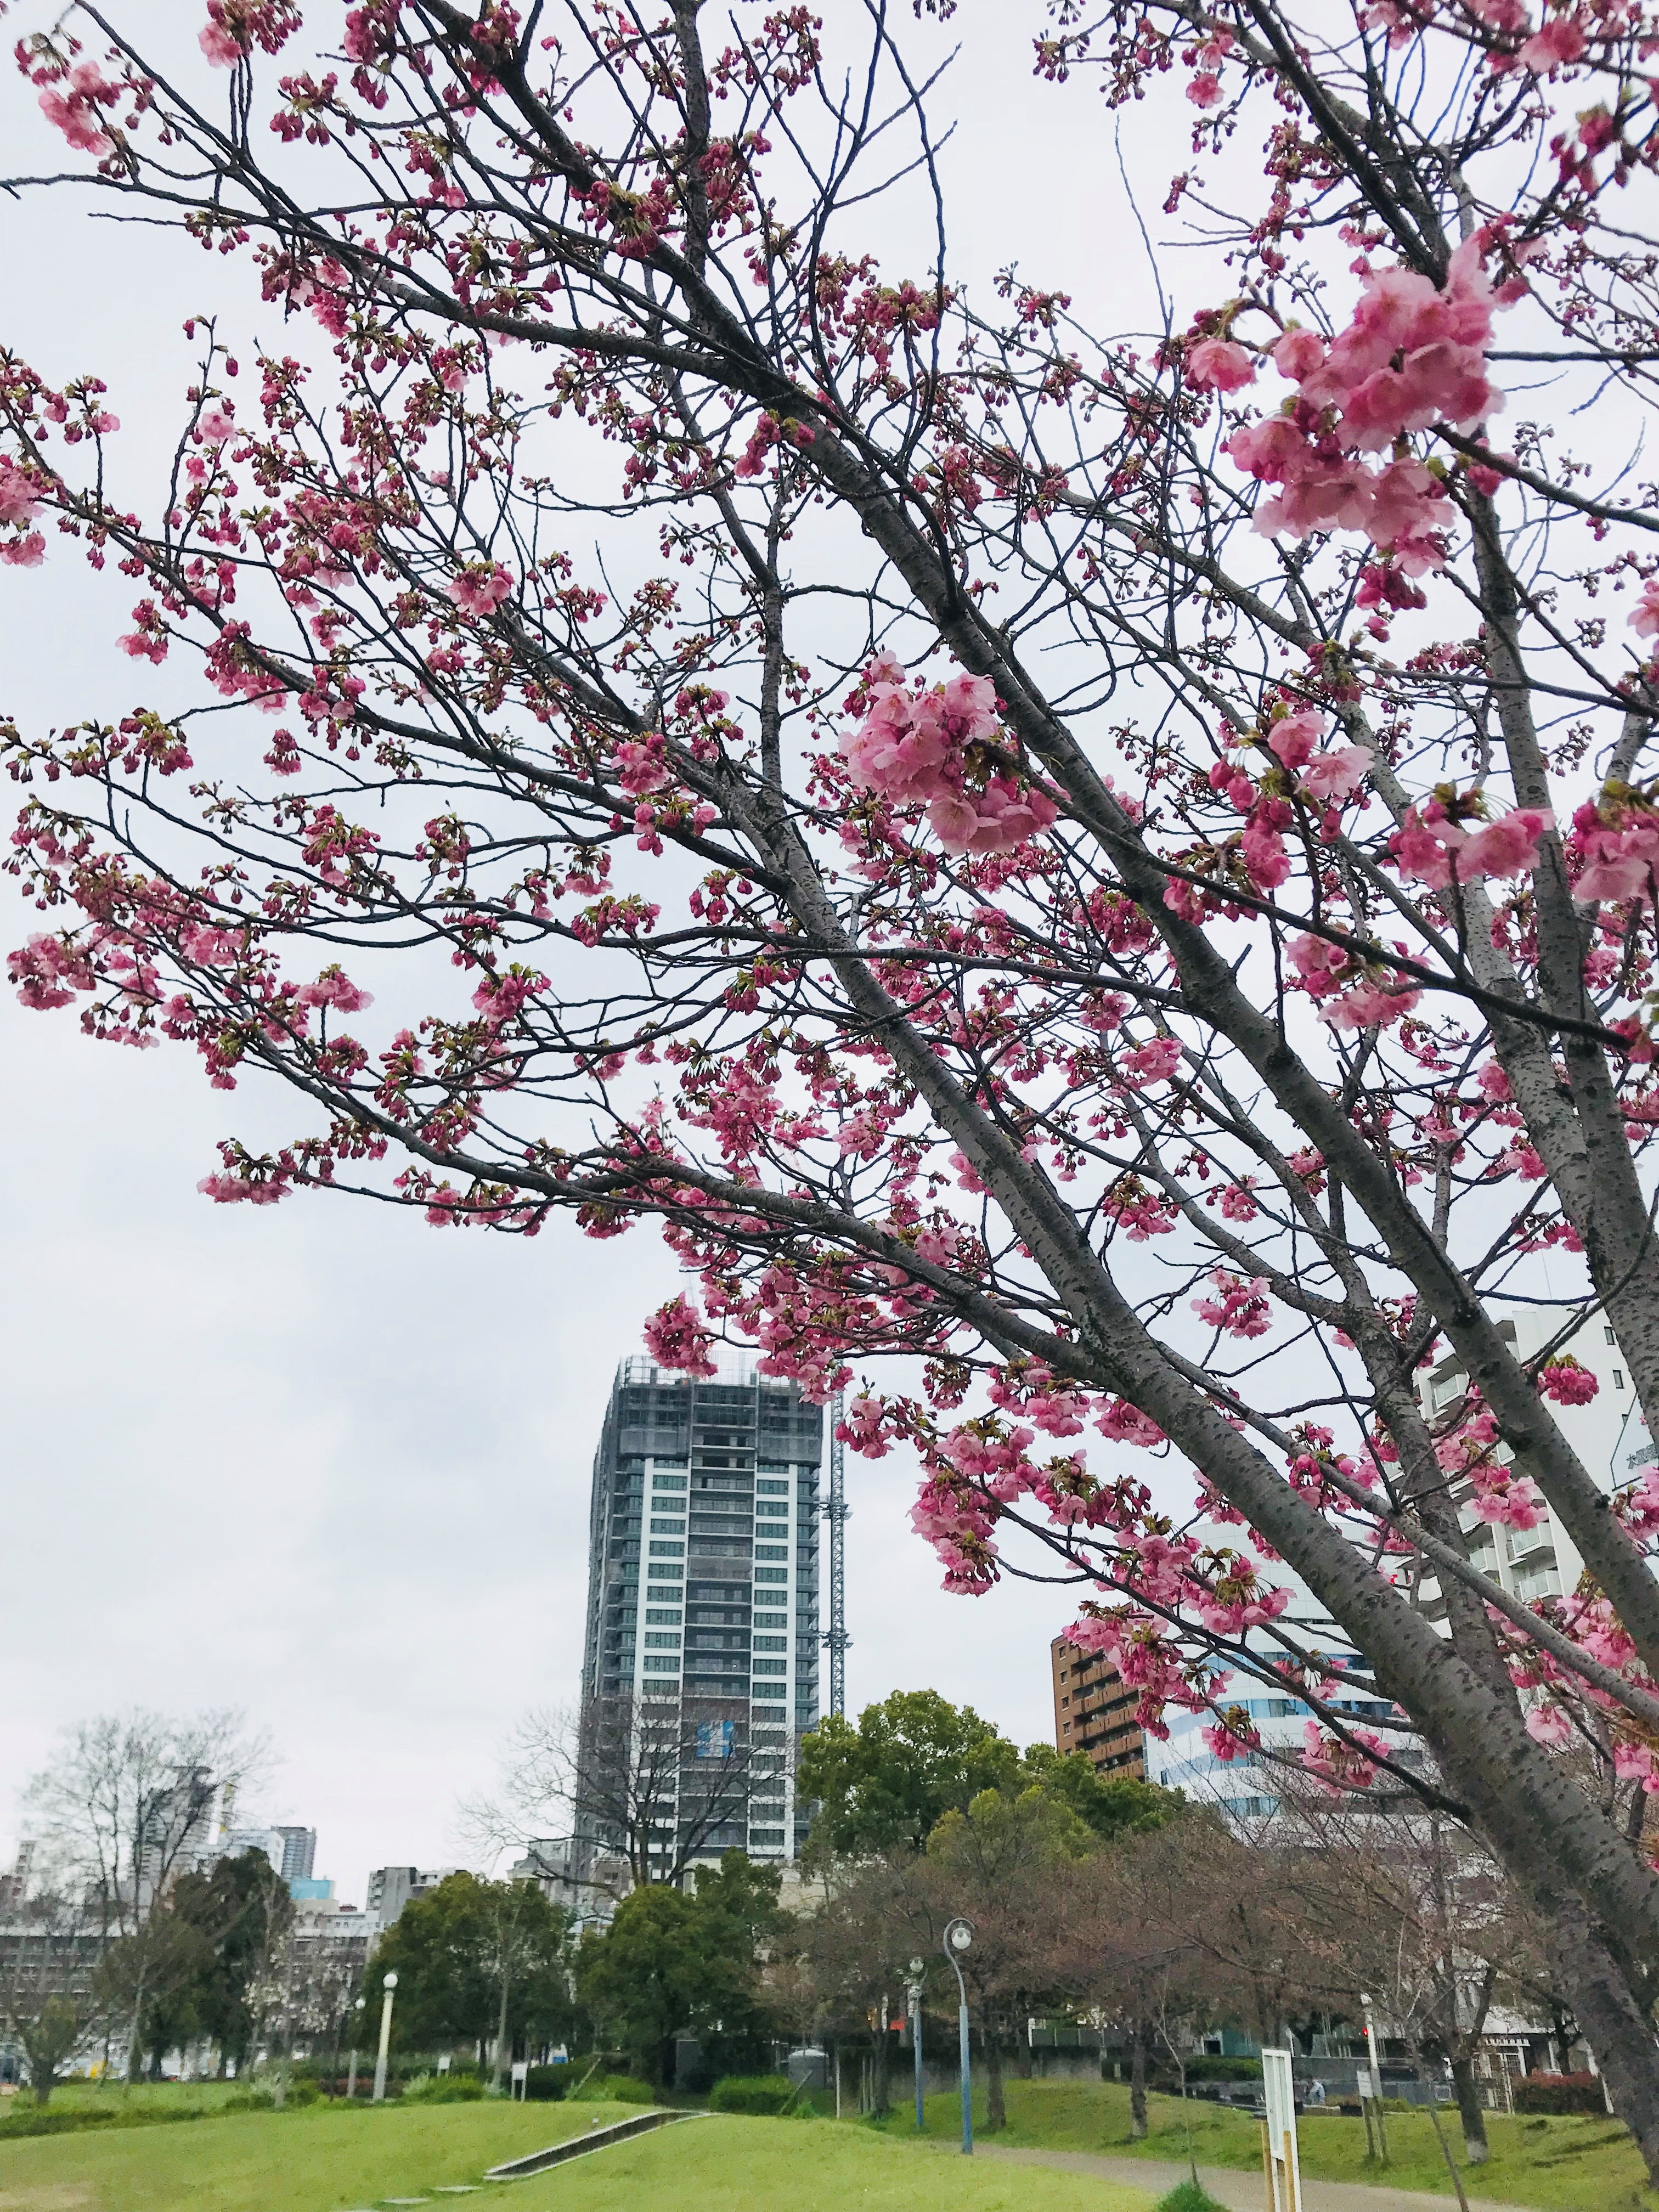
<point>1612,2023</point>
<point>996,2111</point>
<point>1023,2067</point>
<point>500,2031</point>
<point>879,2071</point>
<point>1475,2147</point>
<point>1138,2083</point>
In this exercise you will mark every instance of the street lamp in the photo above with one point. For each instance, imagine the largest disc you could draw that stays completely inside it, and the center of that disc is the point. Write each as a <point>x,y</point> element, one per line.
<point>918,1968</point>
<point>958,1935</point>
<point>356,2037</point>
<point>389,1985</point>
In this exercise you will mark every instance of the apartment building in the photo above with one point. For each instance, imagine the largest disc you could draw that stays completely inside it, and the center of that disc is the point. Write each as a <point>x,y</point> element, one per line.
<point>1094,1712</point>
<point>710,1486</point>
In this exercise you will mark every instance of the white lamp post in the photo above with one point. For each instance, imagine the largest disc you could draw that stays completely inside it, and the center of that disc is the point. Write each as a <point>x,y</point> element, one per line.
<point>958,1935</point>
<point>389,1985</point>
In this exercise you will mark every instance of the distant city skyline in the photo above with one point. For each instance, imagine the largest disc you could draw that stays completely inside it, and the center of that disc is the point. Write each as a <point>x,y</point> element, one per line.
<point>354,1512</point>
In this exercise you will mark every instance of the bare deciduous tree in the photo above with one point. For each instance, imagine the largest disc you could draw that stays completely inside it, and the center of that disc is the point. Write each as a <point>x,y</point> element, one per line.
<point>127,1804</point>
<point>641,1783</point>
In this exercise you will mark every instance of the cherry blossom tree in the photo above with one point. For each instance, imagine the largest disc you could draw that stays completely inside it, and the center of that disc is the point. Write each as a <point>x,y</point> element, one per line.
<point>1116,867</point>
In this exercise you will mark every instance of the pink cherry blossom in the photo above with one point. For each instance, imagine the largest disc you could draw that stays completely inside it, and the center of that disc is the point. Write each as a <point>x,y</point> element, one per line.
<point>20,500</point>
<point>1548,1725</point>
<point>1507,846</point>
<point>1336,775</point>
<point>677,1336</point>
<point>480,590</point>
<point>1219,365</point>
<point>77,119</point>
<point>219,44</point>
<point>1566,1382</point>
<point>1298,354</point>
<point>1292,738</point>
<point>1644,615</point>
<point>1204,89</point>
<point>1559,44</point>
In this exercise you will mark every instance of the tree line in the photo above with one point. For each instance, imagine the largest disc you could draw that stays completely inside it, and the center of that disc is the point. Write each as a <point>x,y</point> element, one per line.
<point>1094,1898</point>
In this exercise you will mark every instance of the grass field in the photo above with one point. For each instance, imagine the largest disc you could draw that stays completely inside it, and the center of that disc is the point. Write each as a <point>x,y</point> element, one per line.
<point>1559,2166</point>
<point>323,2161</point>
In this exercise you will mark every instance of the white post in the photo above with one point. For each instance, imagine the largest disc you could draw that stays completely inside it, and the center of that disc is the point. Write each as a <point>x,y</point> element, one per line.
<point>388,1985</point>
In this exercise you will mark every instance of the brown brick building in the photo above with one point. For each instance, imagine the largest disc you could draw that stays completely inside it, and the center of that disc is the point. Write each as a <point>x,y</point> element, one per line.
<point>1094,1712</point>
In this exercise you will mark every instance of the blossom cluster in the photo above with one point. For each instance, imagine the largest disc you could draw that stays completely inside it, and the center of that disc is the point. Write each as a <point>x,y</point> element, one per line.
<point>913,746</point>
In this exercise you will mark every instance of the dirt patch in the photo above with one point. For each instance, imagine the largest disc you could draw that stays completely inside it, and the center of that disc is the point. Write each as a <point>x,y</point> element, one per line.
<point>49,2196</point>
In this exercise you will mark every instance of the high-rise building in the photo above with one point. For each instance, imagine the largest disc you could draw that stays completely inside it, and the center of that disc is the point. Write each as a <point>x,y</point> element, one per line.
<point>15,1886</point>
<point>390,1888</point>
<point>1606,1431</point>
<point>1095,1711</point>
<point>298,1853</point>
<point>712,1486</point>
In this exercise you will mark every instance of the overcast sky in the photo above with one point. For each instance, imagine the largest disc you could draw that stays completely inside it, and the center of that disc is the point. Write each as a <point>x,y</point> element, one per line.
<point>317,1459</point>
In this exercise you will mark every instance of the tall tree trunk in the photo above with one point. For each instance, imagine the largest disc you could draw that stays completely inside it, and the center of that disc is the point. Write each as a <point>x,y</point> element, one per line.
<point>1023,2063</point>
<point>500,2031</point>
<point>1138,2082</point>
<point>1475,2147</point>
<point>996,2111</point>
<point>880,2080</point>
<point>1616,2026</point>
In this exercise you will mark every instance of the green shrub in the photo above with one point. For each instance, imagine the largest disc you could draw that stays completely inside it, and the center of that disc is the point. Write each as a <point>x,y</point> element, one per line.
<point>30,2120</point>
<point>1187,2197</point>
<point>443,2089</point>
<point>1560,2093</point>
<point>618,2089</point>
<point>1210,2066</point>
<point>763,2094</point>
<point>254,2100</point>
<point>547,2084</point>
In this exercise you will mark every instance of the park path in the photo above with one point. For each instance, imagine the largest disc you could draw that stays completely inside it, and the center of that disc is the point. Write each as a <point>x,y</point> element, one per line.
<point>1238,2190</point>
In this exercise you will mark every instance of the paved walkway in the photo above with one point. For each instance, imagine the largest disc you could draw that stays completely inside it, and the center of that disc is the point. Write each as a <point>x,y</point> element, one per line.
<point>1239,2190</point>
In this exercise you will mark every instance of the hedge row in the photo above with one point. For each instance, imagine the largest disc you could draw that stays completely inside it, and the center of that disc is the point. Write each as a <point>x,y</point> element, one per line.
<point>1560,2093</point>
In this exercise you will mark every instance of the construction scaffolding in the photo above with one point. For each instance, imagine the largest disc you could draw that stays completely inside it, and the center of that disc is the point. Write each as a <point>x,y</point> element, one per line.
<point>835,1638</point>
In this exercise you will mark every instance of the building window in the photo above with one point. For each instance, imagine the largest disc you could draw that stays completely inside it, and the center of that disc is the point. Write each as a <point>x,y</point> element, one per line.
<point>655,1663</point>
<point>771,1643</point>
<point>664,1615</point>
<point>1607,1336</point>
<point>771,1666</point>
<point>1618,1378</point>
<point>662,1643</point>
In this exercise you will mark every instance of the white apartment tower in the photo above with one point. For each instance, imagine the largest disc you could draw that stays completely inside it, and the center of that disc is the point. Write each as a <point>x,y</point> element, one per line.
<point>1608,1433</point>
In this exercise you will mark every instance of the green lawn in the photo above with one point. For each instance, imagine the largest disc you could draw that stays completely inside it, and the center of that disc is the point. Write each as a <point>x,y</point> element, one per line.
<point>324,2161</point>
<point>1559,2166</point>
<point>731,2165</point>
